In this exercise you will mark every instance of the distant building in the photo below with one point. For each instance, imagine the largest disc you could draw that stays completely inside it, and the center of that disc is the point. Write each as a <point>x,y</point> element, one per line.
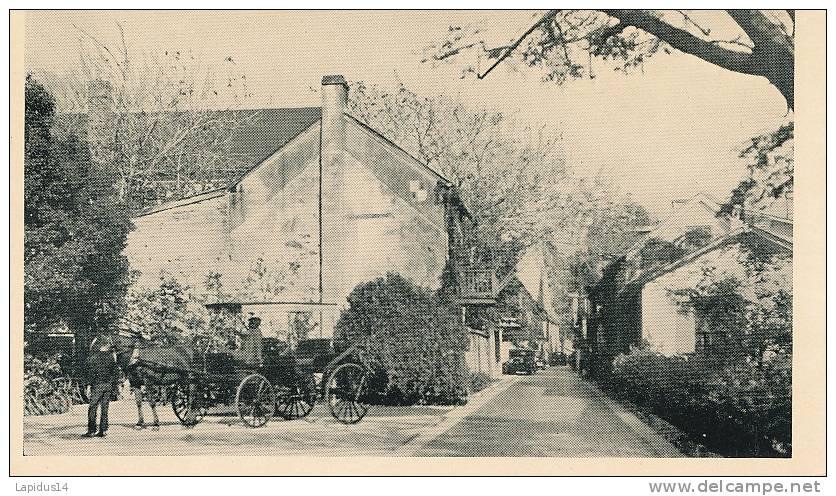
<point>631,303</point>
<point>533,273</point>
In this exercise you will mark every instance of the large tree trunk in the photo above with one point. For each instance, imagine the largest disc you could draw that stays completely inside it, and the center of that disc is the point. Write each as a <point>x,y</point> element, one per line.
<point>772,57</point>
<point>774,54</point>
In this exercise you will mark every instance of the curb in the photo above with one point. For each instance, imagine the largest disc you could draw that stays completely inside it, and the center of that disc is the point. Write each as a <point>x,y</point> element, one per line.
<point>452,418</point>
<point>654,440</point>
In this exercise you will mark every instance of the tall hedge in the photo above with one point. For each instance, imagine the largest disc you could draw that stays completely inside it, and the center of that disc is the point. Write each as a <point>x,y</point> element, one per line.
<point>742,409</point>
<point>411,338</point>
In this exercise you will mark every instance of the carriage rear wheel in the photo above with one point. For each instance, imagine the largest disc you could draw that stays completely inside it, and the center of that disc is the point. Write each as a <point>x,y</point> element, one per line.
<point>347,391</point>
<point>187,403</point>
<point>298,400</point>
<point>256,400</point>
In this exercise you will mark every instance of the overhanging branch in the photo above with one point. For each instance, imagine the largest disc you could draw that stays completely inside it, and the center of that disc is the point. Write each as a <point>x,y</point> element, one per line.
<point>513,46</point>
<point>684,41</point>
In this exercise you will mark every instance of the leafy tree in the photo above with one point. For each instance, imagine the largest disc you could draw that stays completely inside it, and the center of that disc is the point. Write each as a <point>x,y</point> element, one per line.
<point>172,313</point>
<point>749,312</point>
<point>658,253</point>
<point>770,175</point>
<point>74,230</point>
<point>565,42</point>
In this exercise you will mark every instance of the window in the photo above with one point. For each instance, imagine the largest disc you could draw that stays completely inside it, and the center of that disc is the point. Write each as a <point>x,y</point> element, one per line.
<point>708,339</point>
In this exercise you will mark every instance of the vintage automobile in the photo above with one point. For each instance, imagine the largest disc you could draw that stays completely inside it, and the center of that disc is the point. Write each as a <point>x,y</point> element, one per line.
<point>520,360</point>
<point>557,358</point>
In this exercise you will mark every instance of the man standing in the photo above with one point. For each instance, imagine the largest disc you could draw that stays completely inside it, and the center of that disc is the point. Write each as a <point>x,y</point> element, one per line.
<point>103,375</point>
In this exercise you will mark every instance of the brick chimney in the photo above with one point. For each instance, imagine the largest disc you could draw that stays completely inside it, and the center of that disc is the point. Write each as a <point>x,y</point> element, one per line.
<point>100,132</point>
<point>336,232</point>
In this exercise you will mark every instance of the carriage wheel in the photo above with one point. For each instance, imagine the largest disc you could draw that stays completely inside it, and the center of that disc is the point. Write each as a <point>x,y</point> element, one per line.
<point>346,393</point>
<point>297,401</point>
<point>256,400</point>
<point>187,403</point>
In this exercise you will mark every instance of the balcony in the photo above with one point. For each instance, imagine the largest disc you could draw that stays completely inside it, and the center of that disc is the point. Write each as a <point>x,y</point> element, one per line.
<point>776,227</point>
<point>478,287</point>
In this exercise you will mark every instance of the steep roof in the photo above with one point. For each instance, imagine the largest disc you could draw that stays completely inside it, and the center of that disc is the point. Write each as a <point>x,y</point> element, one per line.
<point>267,130</point>
<point>400,150</point>
<point>777,243</point>
<point>259,134</point>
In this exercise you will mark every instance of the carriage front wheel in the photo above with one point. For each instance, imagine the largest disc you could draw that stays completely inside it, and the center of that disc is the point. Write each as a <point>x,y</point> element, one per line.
<point>347,391</point>
<point>256,400</point>
<point>188,404</point>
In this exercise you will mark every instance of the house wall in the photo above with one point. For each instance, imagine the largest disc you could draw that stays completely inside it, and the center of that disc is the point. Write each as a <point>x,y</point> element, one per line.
<point>186,242</point>
<point>390,234</point>
<point>480,356</point>
<point>666,327</point>
<point>276,226</point>
<point>671,329</point>
<point>263,235</point>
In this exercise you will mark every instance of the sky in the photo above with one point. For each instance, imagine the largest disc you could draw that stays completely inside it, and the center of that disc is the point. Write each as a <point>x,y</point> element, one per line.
<point>661,134</point>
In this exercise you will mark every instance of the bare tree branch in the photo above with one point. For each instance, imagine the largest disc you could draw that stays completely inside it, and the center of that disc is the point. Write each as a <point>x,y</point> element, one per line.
<point>513,46</point>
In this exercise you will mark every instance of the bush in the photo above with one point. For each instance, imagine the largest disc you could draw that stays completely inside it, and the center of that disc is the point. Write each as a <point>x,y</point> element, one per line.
<point>411,338</point>
<point>738,410</point>
<point>45,390</point>
<point>173,313</point>
<point>479,381</point>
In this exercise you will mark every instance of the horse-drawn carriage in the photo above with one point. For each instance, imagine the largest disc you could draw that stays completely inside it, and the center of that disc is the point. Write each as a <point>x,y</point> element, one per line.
<point>284,383</point>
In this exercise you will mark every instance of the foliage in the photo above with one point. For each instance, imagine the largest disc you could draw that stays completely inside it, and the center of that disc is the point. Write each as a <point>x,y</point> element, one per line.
<point>45,389</point>
<point>410,337</point>
<point>737,410</point>
<point>659,253</point>
<point>750,312</point>
<point>172,313</point>
<point>771,172</point>
<point>479,381</point>
<point>613,224</point>
<point>563,43</point>
<point>74,229</point>
<point>722,309</point>
<point>694,239</point>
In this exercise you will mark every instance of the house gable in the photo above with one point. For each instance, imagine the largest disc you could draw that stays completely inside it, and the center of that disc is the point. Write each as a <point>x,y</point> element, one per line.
<point>404,175</point>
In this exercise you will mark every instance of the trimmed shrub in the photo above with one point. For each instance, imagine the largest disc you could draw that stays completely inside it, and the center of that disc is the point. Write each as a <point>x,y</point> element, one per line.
<point>479,381</point>
<point>411,338</point>
<point>736,410</point>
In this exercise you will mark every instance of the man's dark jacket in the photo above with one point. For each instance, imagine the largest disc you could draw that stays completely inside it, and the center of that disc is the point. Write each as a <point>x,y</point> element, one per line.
<point>101,368</point>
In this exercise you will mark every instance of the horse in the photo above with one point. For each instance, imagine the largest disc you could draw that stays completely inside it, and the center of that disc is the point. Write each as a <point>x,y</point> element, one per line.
<point>127,346</point>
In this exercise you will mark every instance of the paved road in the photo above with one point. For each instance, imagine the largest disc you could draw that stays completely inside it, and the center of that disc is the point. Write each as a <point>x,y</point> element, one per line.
<point>552,413</point>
